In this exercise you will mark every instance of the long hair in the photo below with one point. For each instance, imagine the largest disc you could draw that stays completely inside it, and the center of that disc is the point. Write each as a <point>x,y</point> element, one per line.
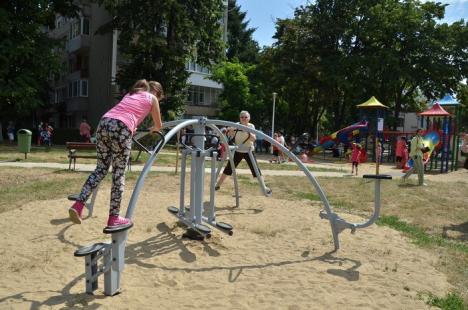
<point>140,85</point>
<point>157,88</point>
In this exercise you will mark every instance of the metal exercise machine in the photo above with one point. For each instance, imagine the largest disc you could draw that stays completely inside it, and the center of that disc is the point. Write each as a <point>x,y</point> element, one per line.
<point>113,253</point>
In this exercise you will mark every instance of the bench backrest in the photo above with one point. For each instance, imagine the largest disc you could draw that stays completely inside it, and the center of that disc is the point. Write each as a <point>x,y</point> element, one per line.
<point>81,145</point>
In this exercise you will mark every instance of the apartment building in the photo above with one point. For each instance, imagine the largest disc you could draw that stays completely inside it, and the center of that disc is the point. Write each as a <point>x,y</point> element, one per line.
<point>86,87</point>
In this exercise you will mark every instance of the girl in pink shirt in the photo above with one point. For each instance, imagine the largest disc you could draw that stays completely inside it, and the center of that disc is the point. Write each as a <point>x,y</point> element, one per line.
<point>355,157</point>
<point>113,145</point>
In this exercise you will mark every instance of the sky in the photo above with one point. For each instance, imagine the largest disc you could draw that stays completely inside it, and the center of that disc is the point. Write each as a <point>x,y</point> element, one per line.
<point>263,13</point>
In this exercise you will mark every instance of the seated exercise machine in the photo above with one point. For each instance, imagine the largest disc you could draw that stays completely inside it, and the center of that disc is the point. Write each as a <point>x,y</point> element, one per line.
<point>198,223</point>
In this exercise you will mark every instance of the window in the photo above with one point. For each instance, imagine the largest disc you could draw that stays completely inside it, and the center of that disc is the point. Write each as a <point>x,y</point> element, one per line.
<point>60,94</point>
<point>59,22</point>
<point>85,26</point>
<point>199,95</point>
<point>84,88</point>
<point>76,86</point>
<point>74,29</point>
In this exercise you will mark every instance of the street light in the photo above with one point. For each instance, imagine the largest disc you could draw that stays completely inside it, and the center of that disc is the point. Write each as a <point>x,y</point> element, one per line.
<point>273,119</point>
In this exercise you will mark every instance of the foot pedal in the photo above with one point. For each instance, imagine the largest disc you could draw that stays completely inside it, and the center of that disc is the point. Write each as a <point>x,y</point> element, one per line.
<point>113,230</point>
<point>73,197</point>
<point>91,249</point>
<point>173,210</point>
<point>225,226</point>
<point>202,228</point>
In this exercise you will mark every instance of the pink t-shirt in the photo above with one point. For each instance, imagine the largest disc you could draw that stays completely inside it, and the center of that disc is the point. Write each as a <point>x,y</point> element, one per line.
<point>355,155</point>
<point>132,109</point>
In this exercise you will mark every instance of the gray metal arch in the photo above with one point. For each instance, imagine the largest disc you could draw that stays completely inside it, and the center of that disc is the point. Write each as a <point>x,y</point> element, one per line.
<point>337,224</point>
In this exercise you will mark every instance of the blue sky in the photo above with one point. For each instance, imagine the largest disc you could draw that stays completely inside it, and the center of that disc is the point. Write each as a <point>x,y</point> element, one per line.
<point>263,13</point>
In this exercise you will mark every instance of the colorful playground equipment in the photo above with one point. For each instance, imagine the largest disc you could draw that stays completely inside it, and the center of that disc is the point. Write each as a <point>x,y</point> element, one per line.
<point>195,216</point>
<point>345,136</point>
<point>437,119</point>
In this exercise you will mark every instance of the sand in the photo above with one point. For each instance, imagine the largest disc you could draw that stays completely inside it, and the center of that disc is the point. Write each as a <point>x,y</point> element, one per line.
<point>280,257</point>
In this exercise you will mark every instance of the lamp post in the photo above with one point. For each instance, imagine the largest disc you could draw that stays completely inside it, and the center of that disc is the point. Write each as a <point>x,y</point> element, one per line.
<point>273,119</point>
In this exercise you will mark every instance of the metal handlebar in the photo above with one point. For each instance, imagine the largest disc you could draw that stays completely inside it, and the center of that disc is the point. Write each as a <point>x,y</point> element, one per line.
<point>214,146</point>
<point>156,147</point>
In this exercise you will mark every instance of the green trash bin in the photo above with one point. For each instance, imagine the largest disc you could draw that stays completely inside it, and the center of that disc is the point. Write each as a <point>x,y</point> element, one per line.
<point>24,141</point>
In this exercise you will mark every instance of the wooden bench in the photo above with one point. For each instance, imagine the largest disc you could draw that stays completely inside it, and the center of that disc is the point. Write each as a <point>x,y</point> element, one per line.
<point>73,147</point>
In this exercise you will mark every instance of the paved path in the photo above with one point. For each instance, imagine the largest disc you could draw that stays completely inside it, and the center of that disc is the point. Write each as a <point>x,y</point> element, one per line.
<point>91,167</point>
<point>342,170</point>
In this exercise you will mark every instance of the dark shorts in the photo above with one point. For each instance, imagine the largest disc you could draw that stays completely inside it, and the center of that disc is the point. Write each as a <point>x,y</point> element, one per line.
<point>237,159</point>
<point>355,163</point>
<point>398,159</point>
<point>275,152</point>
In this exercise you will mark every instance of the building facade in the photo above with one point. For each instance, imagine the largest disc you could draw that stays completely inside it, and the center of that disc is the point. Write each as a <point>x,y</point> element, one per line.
<point>86,87</point>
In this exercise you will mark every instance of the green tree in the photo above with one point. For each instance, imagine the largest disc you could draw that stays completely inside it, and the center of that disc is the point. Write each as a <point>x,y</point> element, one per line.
<point>157,38</point>
<point>236,94</point>
<point>27,54</point>
<point>241,45</point>
<point>335,54</point>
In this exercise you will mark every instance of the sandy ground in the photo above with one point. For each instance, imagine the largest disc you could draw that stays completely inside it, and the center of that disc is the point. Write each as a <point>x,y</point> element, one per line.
<point>280,257</point>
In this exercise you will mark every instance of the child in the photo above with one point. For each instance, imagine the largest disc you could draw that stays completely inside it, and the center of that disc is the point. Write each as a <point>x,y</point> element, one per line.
<point>355,157</point>
<point>11,132</point>
<point>400,152</point>
<point>275,150</point>
<point>113,145</point>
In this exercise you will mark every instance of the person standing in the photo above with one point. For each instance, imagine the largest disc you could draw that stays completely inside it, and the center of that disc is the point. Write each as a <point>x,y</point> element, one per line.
<point>85,131</point>
<point>355,157</point>
<point>401,152</point>
<point>245,143</point>
<point>11,132</point>
<point>259,143</point>
<point>114,143</point>
<point>416,154</point>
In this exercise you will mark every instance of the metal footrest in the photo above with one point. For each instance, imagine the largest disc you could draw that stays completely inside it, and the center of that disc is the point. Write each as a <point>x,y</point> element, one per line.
<point>92,249</point>
<point>113,230</point>
<point>377,176</point>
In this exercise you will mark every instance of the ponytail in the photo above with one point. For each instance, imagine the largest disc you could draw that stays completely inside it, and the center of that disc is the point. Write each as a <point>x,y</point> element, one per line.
<point>157,88</point>
<point>140,85</point>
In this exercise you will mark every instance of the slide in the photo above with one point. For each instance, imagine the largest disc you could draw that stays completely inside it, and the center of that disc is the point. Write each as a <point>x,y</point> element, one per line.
<point>345,136</point>
<point>432,140</point>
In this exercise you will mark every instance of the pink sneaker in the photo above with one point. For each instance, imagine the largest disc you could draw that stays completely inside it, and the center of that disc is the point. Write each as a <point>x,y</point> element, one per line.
<point>75,212</point>
<point>116,221</point>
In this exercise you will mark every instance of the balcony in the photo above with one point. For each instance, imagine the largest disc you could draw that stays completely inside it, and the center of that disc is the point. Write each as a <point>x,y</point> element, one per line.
<point>78,43</point>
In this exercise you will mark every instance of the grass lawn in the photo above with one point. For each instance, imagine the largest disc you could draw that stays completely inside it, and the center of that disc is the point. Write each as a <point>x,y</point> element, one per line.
<point>433,217</point>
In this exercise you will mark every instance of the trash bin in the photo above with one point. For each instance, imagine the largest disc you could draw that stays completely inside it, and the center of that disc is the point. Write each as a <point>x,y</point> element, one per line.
<point>24,141</point>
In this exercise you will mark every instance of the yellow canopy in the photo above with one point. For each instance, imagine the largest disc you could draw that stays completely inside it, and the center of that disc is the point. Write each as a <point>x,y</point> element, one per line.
<point>372,103</point>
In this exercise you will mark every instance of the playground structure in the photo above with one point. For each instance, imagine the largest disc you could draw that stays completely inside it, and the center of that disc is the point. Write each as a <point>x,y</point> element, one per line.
<point>344,136</point>
<point>442,125</point>
<point>113,252</point>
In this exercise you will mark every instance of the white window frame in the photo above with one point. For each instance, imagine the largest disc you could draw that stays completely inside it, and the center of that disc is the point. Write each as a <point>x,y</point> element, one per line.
<point>84,90</point>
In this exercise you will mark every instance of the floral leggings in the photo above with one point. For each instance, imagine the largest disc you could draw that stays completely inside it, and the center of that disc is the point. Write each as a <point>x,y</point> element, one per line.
<point>113,145</point>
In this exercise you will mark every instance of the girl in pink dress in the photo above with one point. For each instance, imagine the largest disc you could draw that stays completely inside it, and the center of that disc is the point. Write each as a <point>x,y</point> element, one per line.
<point>355,157</point>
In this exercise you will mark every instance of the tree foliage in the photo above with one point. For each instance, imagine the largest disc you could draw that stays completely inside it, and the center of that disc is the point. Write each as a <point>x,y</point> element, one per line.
<point>157,38</point>
<point>27,54</point>
<point>241,45</point>
<point>333,55</point>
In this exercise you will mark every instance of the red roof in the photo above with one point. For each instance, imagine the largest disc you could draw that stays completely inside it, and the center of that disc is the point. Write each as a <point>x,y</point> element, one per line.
<point>436,110</point>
